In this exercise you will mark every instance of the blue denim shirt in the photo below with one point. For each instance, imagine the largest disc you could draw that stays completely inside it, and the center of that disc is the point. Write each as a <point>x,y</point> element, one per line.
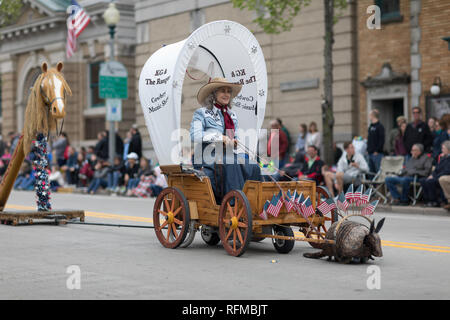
<point>208,125</point>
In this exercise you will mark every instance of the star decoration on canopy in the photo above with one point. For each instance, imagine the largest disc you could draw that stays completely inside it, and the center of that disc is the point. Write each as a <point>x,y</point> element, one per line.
<point>261,93</point>
<point>254,49</point>
<point>191,45</point>
<point>227,29</point>
<point>175,84</point>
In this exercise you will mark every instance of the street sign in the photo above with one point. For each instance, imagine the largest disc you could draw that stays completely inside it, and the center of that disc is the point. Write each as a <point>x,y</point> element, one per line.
<point>113,110</point>
<point>113,77</point>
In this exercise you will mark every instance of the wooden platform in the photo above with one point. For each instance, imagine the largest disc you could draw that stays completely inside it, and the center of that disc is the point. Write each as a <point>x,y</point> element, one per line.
<point>17,217</point>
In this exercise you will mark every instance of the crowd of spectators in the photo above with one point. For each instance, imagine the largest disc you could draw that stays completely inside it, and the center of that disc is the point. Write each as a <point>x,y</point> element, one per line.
<point>88,170</point>
<point>424,146</point>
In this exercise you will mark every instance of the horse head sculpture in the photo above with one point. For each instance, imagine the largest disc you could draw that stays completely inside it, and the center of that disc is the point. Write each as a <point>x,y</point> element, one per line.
<point>46,103</point>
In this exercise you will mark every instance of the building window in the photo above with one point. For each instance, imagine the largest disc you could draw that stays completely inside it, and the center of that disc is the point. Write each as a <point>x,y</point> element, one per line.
<point>390,10</point>
<point>96,101</point>
<point>93,126</point>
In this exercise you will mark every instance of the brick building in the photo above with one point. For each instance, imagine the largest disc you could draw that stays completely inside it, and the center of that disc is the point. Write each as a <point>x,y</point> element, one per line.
<point>398,63</point>
<point>40,35</point>
<point>391,69</point>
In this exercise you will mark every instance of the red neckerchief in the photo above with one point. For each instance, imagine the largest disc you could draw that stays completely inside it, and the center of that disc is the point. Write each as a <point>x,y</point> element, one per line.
<point>229,124</point>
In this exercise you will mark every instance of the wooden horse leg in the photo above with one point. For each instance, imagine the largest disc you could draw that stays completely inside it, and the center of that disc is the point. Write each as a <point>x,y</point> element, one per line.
<point>11,173</point>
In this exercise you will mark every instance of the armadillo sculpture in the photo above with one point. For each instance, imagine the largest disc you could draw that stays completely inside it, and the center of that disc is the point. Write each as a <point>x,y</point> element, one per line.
<point>352,240</point>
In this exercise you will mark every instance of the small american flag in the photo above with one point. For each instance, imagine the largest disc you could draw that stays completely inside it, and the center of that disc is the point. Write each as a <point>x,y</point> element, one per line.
<point>342,202</point>
<point>307,207</point>
<point>326,206</point>
<point>275,205</point>
<point>349,194</point>
<point>365,198</point>
<point>370,208</point>
<point>358,194</point>
<point>288,201</point>
<point>76,23</point>
<point>263,214</point>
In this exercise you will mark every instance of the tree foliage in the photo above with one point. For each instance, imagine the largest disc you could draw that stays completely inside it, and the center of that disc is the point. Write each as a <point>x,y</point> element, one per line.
<point>9,11</point>
<point>276,16</point>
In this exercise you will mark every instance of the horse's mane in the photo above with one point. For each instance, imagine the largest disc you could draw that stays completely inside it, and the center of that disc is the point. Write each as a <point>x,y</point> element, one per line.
<point>38,119</point>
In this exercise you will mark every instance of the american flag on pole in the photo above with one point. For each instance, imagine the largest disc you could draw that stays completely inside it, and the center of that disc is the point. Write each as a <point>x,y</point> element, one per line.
<point>298,202</point>
<point>275,205</point>
<point>288,201</point>
<point>307,207</point>
<point>365,198</point>
<point>342,202</point>
<point>76,23</point>
<point>358,194</point>
<point>370,208</point>
<point>326,206</point>
<point>349,195</point>
<point>263,214</point>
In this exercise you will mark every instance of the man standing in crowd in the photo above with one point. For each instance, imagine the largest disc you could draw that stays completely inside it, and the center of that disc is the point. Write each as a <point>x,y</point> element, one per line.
<point>375,141</point>
<point>135,142</point>
<point>419,164</point>
<point>417,132</point>
<point>277,136</point>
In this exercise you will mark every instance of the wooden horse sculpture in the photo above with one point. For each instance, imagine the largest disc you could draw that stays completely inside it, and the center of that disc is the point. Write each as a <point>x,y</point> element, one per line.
<point>46,104</point>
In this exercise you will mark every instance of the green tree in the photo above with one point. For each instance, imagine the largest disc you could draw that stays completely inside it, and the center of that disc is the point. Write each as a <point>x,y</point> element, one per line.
<point>9,11</point>
<point>276,16</point>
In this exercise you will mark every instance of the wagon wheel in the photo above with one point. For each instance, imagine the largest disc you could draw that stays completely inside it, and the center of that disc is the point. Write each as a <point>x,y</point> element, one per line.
<point>321,194</point>
<point>171,217</point>
<point>235,222</point>
<point>190,235</point>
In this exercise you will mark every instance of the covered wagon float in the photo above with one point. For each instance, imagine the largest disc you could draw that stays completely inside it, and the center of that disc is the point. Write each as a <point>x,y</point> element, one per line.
<point>262,209</point>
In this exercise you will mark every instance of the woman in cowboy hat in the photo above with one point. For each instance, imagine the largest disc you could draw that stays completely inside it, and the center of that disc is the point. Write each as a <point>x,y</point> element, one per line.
<point>213,129</point>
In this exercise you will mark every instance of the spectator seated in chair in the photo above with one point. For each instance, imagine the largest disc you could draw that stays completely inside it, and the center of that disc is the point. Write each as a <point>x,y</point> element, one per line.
<point>349,169</point>
<point>419,164</point>
<point>433,192</point>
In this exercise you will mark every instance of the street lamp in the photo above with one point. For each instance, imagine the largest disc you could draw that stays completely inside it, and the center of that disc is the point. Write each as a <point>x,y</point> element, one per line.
<point>112,18</point>
<point>436,87</point>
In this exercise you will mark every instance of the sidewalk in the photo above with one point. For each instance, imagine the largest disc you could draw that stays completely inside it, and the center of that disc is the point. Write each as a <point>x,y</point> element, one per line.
<point>417,209</point>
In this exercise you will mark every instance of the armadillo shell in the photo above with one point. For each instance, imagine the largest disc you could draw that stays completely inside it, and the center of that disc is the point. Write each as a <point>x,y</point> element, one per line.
<point>350,239</point>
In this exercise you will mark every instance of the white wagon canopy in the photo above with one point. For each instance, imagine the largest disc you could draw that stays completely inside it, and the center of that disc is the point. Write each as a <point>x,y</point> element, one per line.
<point>219,49</point>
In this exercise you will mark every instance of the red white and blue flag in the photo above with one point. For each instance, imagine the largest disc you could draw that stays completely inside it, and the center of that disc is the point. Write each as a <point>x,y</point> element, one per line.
<point>263,214</point>
<point>76,23</point>
<point>349,195</point>
<point>342,202</point>
<point>326,206</point>
<point>358,194</point>
<point>275,205</point>
<point>370,208</point>
<point>365,198</point>
<point>307,207</point>
<point>288,201</point>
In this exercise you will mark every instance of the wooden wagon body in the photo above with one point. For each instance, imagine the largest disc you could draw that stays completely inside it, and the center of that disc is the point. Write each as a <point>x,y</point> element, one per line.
<point>188,204</point>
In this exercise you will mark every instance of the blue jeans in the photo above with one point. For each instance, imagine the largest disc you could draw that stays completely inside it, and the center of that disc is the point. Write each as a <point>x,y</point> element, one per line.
<point>375,162</point>
<point>24,183</point>
<point>392,182</point>
<point>97,183</point>
<point>133,183</point>
<point>156,190</point>
<point>113,179</point>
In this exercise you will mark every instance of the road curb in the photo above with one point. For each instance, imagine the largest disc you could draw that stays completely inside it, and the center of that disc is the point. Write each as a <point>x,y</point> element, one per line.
<point>426,211</point>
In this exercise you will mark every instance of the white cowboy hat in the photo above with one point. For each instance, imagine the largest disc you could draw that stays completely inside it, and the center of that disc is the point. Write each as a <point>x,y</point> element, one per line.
<point>215,84</point>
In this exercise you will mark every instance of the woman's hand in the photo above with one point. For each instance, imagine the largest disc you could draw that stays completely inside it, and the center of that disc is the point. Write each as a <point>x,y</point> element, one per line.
<point>227,141</point>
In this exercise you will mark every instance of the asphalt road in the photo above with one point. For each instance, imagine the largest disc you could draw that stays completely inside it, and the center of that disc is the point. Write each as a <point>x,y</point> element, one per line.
<point>96,262</point>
